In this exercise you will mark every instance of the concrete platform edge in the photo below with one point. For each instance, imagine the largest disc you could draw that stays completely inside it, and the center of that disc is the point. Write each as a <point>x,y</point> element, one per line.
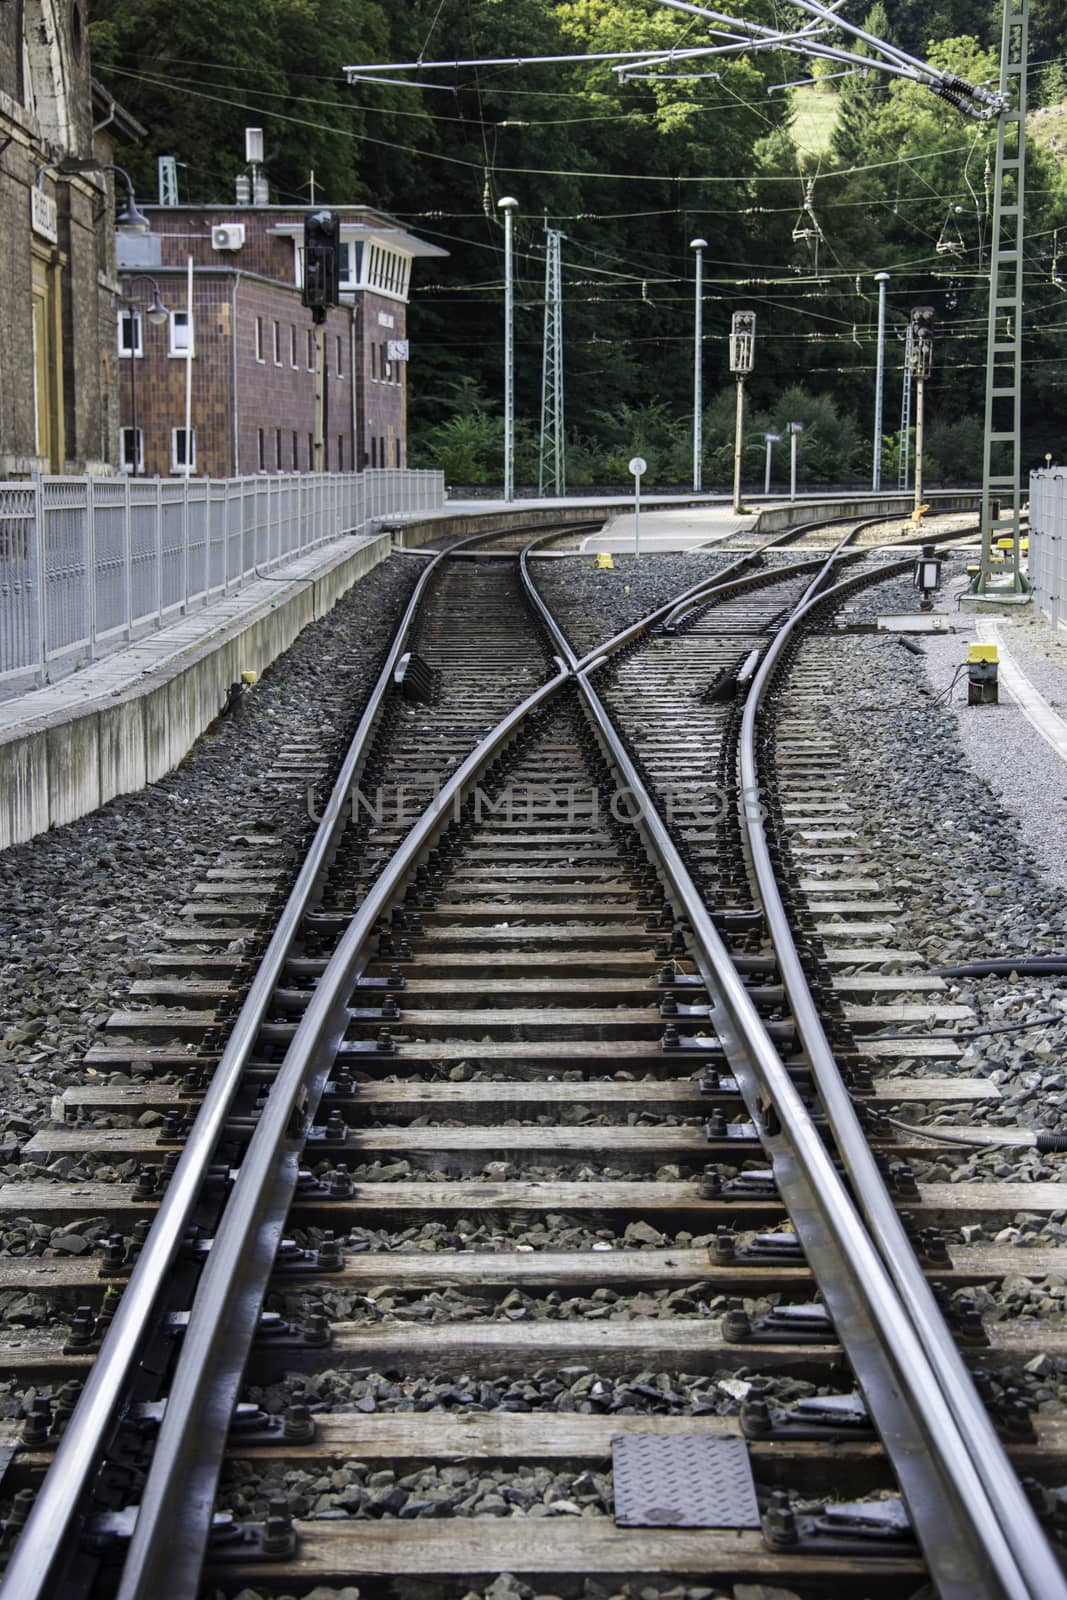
<point>66,765</point>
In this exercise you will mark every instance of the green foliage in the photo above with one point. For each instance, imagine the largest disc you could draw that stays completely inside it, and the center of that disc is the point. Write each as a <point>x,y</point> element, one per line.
<point>631,171</point>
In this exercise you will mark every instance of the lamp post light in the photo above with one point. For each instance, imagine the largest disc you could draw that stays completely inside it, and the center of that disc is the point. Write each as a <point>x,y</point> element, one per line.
<point>699,245</point>
<point>881,279</point>
<point>769,439</point>
<point>507,205</point>
<point>793,428</point>
<point>742,355</point>
<point>156,313</point>
<point>129,219</point>
<point>921,359</point>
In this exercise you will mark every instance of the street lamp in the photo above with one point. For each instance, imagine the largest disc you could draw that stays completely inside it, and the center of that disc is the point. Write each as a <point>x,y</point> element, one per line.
<point>742,355</point>
<point>129,219</point>
<point>699,245</point>
<point>507,206</point>
<point>881,279</point>
<point>921,360</point>
<point>793,428</point>
<point>156,313</point>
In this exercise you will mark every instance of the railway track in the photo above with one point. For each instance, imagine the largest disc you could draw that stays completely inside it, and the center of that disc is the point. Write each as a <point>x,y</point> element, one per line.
<point>525,1184</point>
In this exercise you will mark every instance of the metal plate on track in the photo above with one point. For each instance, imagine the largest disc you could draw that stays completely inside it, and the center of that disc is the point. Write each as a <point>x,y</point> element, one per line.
<point>685,1480</point>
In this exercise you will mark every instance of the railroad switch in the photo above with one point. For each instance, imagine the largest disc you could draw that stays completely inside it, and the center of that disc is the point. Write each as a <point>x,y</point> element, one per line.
<point>927,577</point>
<point>717,1129</point>
<point>758,1183</point>
<point>786,1324</point>
<point>827,1416</point>
<point>864,1528</point>
<point>251,1425</point>
<point>982,685</point>
<point>714,1082</point>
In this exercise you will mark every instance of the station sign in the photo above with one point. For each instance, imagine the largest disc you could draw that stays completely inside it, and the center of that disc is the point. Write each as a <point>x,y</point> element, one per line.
<point>43,216</point>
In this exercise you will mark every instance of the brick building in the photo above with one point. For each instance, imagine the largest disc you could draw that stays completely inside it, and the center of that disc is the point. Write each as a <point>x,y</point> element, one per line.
<point>252,373</point>
<point>58,395</point>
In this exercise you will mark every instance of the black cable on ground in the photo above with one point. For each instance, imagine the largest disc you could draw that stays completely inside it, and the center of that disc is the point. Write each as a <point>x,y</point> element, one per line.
<point>1003,966</point>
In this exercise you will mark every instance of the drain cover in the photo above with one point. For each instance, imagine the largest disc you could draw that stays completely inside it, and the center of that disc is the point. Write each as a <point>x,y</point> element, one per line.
<point>682,1480</point>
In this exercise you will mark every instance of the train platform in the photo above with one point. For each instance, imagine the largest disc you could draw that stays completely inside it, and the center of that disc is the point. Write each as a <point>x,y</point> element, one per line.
<point>124,720</point>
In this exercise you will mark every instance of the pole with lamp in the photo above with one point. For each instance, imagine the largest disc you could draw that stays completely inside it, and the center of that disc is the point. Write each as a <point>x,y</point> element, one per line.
<point>507,205</point>
<point>742,355</point>
<point>793,428</point>
<point>321,290</point>
<point>699,245</point>
<point>922,357</point>
<point>157,314</point>
<point>881,279</point>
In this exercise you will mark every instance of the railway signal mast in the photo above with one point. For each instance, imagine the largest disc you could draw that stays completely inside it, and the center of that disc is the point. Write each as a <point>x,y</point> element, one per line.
<point>552,471</point>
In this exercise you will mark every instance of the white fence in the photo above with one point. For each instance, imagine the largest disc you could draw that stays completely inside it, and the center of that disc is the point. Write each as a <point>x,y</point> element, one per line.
<point>1048,542</point>
<point>88,564</point>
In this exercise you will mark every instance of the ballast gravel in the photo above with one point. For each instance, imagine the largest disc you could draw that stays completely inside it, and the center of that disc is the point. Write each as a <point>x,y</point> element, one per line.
<point>80,906</point>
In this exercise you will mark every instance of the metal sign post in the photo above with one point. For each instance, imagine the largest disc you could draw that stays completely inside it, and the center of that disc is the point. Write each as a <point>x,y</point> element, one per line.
<point>793,428</point>
<point>770,440</point>
<point>638,465</point>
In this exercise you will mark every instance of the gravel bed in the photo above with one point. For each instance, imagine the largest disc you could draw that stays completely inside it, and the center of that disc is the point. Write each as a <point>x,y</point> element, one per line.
<point>577,1389</point>
<point>970,885</point>
<point>593,605</point>
<point>556,1231</point>
<point>1025,774</point>
<point>80,905</point>
<point>517,1171</point>
<point>384,1303</point>
<point>507,1587</point>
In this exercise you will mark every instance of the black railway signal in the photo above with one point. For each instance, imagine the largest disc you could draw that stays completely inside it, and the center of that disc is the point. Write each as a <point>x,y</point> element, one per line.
<point>322,262</point>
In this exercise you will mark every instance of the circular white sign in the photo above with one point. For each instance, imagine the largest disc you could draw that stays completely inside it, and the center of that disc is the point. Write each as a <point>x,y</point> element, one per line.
<point>638,464</point>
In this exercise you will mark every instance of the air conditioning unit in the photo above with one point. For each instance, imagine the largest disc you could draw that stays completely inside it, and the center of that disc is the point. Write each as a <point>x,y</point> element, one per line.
<point>228,236</point>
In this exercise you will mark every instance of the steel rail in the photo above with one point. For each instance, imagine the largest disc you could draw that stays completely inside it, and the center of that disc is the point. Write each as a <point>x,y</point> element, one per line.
<point>977,1528</point>
<point>1005,1524</point>
<point>50,1525</point>
<point>206,1379</point>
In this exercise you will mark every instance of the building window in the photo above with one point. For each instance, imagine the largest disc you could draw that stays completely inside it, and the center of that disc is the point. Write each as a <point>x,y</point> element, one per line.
<point>396,450</point>
<point>350,263</point>
<point>259,338</point>
<point>292,344</point>
<point>262,450</point>
<point>373,360</point>
<point>311,453</point>
<point>296,462</point>
<point>182,450</point>
<point>381,451</point>
<point>338,368</point>
<point>340,452</point>
<point>180,342</point>
<point>373,451</point>
<point>130,333</point>
<point>311,351</point>
<point>278,448</point>
<point>276,342</point>
<point>132,445</point>
<point>386,364</point>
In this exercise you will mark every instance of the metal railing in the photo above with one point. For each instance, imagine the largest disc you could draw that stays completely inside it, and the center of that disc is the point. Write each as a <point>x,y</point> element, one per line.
<point>90,564</point>
<point>1048,542</point>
